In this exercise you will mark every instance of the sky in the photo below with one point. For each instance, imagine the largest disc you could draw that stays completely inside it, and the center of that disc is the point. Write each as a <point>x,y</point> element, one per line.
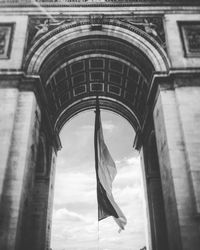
<point>75,225</point>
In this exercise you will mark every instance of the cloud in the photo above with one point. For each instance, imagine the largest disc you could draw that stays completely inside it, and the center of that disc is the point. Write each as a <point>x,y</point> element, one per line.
<point>129,173</point>
<point>132,161</point>
<point>65,214</point>
<point>76,188</point>
<point>126,194</point>
<point>80,208</point>
<point>75,224</point>
<point>71,228</point>
<point>108,126</point>
<point>74,234</point>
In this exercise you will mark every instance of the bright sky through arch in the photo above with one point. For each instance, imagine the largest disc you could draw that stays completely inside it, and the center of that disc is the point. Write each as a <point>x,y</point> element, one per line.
<point>75,203</point>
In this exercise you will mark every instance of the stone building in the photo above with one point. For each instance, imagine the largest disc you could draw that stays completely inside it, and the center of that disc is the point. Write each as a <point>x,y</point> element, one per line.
<point>142,58</point>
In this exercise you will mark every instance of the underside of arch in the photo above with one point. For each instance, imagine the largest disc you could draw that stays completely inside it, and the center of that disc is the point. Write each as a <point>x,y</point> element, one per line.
<point>87,77</point>
<point>78,63</point>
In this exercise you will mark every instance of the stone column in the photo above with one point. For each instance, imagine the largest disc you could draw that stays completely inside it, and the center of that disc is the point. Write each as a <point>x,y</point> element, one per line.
<point>50,200</point>
<point>157,233</point>
<point>176,119</point>
<point>42,202</point>
<point>188,99</point>
<point>18,115</point>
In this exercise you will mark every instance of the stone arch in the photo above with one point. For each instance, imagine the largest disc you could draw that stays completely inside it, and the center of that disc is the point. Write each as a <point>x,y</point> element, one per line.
<point>140,49</point>
<point>154,190</point>
<point>117,29</point>
<point>117,63</point>
<point>168,105</point>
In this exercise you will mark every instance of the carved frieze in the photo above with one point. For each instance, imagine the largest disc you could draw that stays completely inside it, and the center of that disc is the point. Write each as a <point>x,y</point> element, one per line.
<point>38,27</point>
<point>6,32</point>
<point>190,34</point>
<point>100,2</point>
<point>152,25</point>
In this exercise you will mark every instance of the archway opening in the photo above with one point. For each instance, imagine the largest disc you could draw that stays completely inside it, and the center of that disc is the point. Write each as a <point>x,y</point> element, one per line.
<point>75,223</point>
<point>75,63</point>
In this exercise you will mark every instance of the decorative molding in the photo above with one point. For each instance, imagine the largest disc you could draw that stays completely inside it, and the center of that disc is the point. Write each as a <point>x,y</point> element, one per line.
<point>96,21</point>
<point>6,37</point>
<point>146,26</point>
<point>190,34</point>
<point>98,3</point>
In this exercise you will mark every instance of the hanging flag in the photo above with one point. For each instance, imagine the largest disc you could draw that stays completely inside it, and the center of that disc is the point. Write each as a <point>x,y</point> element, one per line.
<point>105,174</point>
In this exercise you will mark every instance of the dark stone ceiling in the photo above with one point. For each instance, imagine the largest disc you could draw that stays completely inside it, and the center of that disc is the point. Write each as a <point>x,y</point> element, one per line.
<point>105,77</point>
<point>96,44</point>
<point>108,67</point>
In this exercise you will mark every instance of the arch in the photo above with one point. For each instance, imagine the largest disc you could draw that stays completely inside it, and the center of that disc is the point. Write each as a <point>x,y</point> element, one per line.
<point>65,55</point>
<point>114,41</point>
<point>140,100</point>
<point>90,103</point>
<point>116,29</point>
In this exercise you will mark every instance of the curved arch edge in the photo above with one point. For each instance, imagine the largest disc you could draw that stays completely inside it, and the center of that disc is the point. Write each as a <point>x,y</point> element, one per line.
<point>116,29</point>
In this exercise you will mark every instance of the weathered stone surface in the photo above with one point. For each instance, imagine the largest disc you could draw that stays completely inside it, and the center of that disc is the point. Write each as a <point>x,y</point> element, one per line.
<point>17,168</point>
<point>174,173</point>
<point>102,2</point>
<point>175,40</point>
<point>26,194</point>
<point>17,42</point>
<point>8,103</point>
<point>187,101</point>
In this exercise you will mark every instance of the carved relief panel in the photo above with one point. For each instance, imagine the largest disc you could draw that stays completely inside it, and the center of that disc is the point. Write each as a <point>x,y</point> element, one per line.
<point>190,34</point>
<point>6,33</point>
<point>152,25</point>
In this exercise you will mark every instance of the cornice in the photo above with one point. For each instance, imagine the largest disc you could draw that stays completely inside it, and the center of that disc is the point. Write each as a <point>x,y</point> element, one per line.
<point>108,9</point>
<point>134,3</point>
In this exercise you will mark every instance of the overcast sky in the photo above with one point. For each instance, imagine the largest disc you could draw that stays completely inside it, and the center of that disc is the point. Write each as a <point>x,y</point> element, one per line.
<point>75,225</point>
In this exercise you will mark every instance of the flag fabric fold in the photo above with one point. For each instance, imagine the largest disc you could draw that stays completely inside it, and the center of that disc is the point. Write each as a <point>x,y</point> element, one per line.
<point>105,174</point>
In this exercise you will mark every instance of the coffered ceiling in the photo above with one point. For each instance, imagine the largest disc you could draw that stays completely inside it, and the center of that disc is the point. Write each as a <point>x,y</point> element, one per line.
<point>79,70</point>
<point>97,75</point>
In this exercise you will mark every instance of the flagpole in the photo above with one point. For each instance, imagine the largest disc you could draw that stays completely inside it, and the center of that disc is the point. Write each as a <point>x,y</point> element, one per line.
<point>98,235</point>
<point>97,113</point>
